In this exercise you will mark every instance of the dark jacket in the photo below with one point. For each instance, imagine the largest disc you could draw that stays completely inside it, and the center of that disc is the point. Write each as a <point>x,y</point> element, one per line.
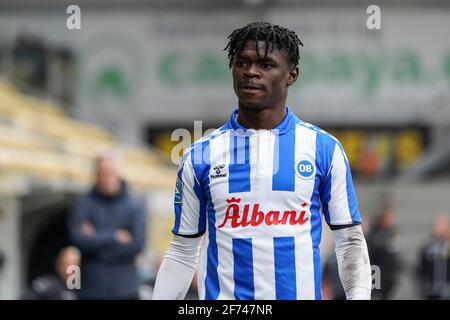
<point>434,269</point>
<point>331,276</point>
<point>108,269</point>
<point>48,287</point>
<point>384,253</point>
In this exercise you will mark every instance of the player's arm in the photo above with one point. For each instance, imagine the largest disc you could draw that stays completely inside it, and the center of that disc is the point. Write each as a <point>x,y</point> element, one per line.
<point>180,261</point>
<point>177,269</point>
<point>341,212</point>
<point>353,262</point>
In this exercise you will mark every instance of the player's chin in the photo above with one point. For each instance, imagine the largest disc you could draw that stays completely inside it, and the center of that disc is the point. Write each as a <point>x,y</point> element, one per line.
<point>251,102</point>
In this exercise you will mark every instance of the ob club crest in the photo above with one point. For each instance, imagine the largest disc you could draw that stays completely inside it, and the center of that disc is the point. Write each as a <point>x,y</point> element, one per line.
<point>305,169</point>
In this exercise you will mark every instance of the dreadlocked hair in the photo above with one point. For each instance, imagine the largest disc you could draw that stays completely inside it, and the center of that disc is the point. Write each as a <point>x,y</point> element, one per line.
<point>277,36</point>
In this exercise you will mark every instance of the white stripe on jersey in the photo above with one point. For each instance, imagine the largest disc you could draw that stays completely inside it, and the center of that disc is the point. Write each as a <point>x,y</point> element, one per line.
<point>218,151</point>
<point>339,198</point>
<point>263,255</point>
<point>262,145</point>
<point>190,201</point>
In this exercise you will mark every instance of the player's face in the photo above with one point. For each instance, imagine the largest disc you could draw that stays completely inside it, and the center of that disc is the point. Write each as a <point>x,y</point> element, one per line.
<point>261,81</point>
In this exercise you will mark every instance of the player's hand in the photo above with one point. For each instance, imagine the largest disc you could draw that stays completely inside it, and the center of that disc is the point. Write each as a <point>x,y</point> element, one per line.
<point>122,236</point>
<point>87,229</point>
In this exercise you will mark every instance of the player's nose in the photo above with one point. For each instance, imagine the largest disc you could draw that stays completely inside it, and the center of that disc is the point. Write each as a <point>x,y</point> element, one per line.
<point>252,71</point>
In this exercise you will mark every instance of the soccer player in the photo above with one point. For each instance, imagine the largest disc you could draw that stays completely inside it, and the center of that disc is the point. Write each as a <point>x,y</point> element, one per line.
<point>255,191</point>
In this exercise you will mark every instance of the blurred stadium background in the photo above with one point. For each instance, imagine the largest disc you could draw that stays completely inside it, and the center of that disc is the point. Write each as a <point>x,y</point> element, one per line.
<point>139,69</point>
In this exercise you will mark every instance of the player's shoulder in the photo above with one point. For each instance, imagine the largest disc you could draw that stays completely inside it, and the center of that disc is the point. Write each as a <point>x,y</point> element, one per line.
<point>201,144</point>
<point>322,136</point>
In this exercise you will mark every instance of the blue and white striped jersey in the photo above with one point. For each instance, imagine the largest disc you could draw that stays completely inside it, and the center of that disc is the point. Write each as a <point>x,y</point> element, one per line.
<point>259,195</point>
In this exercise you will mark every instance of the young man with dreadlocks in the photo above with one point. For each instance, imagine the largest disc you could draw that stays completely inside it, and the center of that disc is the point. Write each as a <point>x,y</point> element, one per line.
<point>255,191</point>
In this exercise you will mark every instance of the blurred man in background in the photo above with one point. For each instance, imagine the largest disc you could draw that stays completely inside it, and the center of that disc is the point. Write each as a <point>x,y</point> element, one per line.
<point>384,252</point>
<point>434,264</point>
<point>108,226</point>
<point>55,286</point>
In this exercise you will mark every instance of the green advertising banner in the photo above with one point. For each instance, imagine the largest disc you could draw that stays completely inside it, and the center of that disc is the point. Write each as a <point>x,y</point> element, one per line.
<point>137,68</point>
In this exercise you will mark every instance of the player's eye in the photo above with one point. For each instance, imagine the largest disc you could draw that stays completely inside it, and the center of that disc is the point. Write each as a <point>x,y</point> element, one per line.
<point>266,66</point>
<point>240,63</point>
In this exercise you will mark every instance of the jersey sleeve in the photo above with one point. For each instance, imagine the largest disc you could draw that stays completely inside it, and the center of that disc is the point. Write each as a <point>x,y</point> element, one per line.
<point>189,202</point>
<point>337,193</point>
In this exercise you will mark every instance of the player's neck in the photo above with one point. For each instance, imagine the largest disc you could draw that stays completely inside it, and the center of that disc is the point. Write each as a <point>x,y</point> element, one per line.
<point>267,118</point>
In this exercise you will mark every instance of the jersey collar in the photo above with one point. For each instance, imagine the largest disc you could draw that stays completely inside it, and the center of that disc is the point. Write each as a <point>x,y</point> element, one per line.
<point>282,128</point>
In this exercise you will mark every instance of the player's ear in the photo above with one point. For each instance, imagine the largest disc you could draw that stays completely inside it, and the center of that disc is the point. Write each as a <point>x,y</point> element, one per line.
<point>293,75</point>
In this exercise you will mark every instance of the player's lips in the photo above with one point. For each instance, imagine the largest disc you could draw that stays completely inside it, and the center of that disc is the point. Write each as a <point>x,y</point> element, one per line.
<point>251,88</point>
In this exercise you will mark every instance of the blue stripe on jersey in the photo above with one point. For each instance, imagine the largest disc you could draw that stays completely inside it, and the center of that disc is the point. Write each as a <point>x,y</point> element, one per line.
<point>325,145</point>
<point>325,195</point>
<point>212,288</point>
<point>316,218</point>
<point>244,287</point>
<point>283,178</point>
<point>239,167</point>
<point>178,197</point>
<point>316,225</point>
<point>285,277</point>
<point>202,206</point>
<point>324,156</point>
<point>178,209</point>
